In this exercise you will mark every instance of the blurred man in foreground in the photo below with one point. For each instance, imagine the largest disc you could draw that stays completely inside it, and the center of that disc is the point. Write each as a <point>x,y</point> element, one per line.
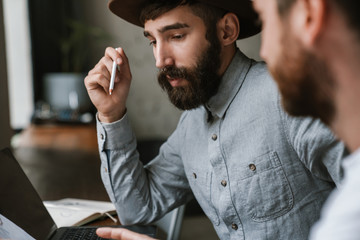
<point>312,48</point>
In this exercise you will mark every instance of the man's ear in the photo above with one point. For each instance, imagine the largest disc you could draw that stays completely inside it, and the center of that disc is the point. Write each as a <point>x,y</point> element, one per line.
<point>229,28</point>
<point>311,19</point>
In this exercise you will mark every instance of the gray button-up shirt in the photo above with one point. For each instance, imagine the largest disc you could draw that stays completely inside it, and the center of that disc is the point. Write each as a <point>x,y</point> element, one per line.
<point>256,172</point>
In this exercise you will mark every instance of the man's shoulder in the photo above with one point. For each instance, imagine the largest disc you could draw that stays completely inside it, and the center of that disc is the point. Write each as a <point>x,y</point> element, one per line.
<point>259,69</point>
<point>259,82</point>
<point>242,62</point>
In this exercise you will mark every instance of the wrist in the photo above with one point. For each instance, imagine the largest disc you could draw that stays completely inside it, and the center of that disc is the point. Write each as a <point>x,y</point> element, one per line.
<point>109,118</point>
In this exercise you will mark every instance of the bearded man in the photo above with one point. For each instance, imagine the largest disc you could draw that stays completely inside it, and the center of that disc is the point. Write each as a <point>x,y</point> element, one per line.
<point>256,172</point>
<point>312,48</point>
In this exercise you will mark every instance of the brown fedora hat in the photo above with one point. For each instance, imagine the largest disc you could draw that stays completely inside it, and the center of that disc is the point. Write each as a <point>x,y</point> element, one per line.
<point>129,10</point>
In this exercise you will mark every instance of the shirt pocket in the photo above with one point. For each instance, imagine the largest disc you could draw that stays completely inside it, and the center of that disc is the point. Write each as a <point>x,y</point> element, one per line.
<point>265,190</point>
<point>200,182</point>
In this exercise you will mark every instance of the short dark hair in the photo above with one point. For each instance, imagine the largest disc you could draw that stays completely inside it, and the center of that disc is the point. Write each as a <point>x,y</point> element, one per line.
<point>350,8</point>
<point>209,14</point>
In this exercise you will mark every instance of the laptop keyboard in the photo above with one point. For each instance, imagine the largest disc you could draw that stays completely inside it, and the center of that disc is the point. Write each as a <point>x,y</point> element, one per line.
<point>80,234</point>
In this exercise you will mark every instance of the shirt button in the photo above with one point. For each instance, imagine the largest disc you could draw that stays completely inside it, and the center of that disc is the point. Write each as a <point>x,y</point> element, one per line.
<point>102,136</point>
<point>252,167</point>
<point>195,176</point>
<point>223,182</point>
<point>214,137</point>
<point>234,226</point>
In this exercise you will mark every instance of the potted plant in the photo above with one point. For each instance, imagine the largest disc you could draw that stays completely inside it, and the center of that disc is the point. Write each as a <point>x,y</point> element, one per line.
<point>74,47</point>
<point>65,90</point>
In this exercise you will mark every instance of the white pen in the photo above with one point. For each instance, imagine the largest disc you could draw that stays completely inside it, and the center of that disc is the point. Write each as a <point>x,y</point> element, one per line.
<point>112,79</point>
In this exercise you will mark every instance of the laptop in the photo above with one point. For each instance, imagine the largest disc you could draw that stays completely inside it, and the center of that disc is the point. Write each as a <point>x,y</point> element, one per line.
<point>21,204</point>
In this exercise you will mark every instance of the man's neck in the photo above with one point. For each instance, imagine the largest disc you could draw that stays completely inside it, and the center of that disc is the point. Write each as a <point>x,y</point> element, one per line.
<point>342,53</point>
<point>226,56</point>
<point>347,99</point>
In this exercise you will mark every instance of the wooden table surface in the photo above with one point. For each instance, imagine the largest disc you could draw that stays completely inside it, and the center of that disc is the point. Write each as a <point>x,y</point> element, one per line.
<point>59,137</point>
<point>62,161</point>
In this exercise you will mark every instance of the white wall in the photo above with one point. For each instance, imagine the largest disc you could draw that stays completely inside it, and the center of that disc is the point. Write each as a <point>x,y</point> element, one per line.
<point>251,46</point>
<point>19,65</point>
<point>152,115</point>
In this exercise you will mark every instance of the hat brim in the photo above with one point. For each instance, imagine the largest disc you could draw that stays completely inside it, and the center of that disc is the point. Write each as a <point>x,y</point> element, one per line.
<point>130,10</point>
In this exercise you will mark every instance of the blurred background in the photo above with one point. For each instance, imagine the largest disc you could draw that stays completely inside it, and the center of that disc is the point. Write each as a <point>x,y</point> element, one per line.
<point>46,49</point>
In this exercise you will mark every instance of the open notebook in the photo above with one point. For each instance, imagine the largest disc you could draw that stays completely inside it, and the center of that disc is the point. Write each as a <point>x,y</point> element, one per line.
<point>77,212</point>
<point>21,204</point>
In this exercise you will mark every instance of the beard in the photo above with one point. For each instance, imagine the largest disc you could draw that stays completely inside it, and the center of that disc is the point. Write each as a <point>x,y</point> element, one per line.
<point>305,82</point>
<point>203,79</point>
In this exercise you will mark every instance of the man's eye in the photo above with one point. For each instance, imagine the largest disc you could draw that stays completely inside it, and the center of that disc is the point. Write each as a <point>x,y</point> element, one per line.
<point>178,36</point>
<point>152,43</point>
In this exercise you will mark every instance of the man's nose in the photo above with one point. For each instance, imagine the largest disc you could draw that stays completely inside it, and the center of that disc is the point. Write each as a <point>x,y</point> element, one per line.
<point>163,56</point>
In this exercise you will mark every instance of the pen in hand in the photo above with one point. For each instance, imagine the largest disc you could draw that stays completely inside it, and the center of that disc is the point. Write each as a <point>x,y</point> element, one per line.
<point>112,79</point>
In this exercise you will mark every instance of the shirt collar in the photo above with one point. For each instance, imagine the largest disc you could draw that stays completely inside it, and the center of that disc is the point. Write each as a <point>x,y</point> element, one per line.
<point>230,85</point>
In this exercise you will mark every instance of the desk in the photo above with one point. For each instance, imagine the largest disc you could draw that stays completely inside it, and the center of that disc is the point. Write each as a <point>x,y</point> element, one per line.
<point>61,161</point>
<point>59,137</point>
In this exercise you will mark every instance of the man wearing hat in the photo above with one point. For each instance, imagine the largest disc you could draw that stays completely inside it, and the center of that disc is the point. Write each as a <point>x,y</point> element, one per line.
<point>256,172</point>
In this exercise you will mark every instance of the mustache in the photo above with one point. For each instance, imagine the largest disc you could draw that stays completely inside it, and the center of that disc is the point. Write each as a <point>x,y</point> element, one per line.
<point>173,72</point>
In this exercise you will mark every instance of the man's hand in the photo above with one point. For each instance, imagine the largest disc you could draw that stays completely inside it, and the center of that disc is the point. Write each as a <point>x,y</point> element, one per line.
<point>121,234</point>
<point>110,107</point>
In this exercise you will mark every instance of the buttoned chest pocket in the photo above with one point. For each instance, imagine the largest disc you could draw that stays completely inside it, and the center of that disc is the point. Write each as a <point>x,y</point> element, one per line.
<point>200,182</point>
<point>265,190</point>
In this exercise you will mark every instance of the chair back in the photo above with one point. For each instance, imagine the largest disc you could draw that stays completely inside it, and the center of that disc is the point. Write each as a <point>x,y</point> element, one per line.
<point>171,223</point>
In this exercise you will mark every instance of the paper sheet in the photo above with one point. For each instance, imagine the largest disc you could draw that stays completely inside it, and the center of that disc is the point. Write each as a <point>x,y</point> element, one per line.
<point>9,230</point>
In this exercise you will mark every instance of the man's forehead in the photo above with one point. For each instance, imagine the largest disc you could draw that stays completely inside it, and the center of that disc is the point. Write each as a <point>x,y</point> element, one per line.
<point>180,17</point>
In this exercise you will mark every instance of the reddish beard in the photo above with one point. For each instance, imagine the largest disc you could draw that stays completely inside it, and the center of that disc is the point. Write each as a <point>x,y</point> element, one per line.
<point>304,81</point>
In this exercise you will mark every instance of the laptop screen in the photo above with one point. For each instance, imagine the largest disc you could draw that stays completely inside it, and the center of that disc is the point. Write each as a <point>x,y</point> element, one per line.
<point>19,201</point>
